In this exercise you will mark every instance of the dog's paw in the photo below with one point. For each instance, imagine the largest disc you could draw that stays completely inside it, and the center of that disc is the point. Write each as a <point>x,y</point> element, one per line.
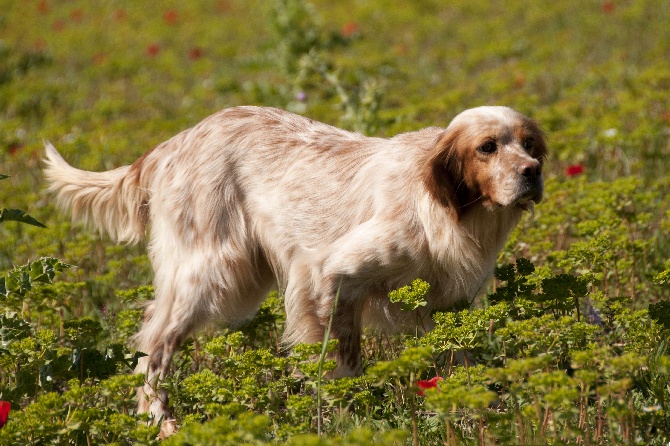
<point>168,427</point>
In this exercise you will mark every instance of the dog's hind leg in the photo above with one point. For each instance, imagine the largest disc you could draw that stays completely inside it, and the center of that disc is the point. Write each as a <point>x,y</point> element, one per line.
<point>200,287</point>
<point>170,318</point>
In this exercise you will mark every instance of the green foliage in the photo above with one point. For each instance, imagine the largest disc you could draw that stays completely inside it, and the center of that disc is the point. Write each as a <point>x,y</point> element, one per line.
<point>18,215</point>
<point>569,346</point>
<point>22,279</point>
<point>660,312</point>
<point>411,297</point>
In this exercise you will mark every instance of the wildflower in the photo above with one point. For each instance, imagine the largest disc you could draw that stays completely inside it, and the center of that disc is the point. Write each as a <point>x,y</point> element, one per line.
<point>58,25</point>
<point>592,314</point>
<point>40,44</point>
<point>153,49</point>
<point>427,384</point>
<point>4,412</point>
<point>574,170</point>
<point>301,96</point>
<point>222,6</point>
<point>610,133</point>
<point>608,7</point>
<point>349,29</point>
<point>170,16</point>
<point>120,15</point>
<point>77,15</point>
<point>195,53</point>
<point>14,148</point>
<point>519,80</point>
<point>401,49</point>
<point>43,6</point>
<point>99,58</point>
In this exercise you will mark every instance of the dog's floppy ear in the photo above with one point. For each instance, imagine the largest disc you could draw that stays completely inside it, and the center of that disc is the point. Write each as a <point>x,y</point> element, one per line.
<point>443,173</point>
<point>540,149</point>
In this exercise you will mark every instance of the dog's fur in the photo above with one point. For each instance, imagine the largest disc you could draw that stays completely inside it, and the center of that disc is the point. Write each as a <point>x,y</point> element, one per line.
<point>252,198</point>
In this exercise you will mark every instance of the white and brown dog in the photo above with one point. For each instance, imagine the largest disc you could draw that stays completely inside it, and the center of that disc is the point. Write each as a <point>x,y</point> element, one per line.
<point>253,198</point>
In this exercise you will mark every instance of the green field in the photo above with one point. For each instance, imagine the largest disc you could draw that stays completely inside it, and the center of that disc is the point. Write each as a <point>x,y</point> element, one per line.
<point>570,342</point>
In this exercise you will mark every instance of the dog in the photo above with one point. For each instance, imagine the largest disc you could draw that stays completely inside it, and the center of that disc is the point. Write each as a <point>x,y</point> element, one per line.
<point>253,198</point>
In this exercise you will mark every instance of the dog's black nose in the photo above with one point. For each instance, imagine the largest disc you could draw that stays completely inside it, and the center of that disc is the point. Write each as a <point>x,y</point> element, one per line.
<point>529,169</point>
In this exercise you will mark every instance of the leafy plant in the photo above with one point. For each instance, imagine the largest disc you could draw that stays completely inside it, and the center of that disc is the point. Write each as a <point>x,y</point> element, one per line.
<point>568,345</point>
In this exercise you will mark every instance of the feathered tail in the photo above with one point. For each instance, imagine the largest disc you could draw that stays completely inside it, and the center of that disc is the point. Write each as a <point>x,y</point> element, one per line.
<point>114,201</point>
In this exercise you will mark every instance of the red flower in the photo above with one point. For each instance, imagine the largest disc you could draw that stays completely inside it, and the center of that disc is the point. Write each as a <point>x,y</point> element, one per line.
<point>58,25</point>
<point>519,80</point>
<point>153,49</point>
<point>349,29</point>
<point>574,169</point>
<point>427,384</point>
<point>14,148</point>
<point>120,15</point>
<point>608,7</point>
<point>43,6</point>
<point>665,116</point>
<point>222,6</point>
<point>170,16</point>
<point>4,411</point>
<point>195,53</point>
<point>99,58</point>
<point>77,15</point>
<point>40,44</point>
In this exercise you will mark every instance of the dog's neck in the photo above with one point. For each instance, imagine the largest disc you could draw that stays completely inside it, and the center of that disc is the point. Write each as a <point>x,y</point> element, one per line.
<point>468,248</point>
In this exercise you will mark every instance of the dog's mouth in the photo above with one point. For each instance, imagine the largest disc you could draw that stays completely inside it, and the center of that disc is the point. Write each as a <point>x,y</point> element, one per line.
<point>528,205</point>
<point>525,199</point>
<point>528,199</point>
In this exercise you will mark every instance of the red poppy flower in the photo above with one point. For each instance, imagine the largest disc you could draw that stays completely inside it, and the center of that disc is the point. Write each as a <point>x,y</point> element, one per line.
<point>349,29</point>
<point>153,49</point>
<point>40,44</point>
<point>58,25</point>
<point>427,384</point>
<point>170,16</point>
<point>195,53</point>
<point>43,6</point>
<point>222,6</point>
<point>574,169</point>
<point>519,80</point>
<point>77,15</point>
<point>4,411</point>
<point>608,7</point>
<point>14,148</point>
<point>99,58</point>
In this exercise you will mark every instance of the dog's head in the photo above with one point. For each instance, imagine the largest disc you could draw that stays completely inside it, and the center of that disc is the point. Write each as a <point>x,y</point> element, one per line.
<point>489,156</point>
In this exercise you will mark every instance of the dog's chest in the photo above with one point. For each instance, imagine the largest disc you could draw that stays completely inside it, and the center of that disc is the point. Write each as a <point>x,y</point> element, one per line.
<point>463,255</point>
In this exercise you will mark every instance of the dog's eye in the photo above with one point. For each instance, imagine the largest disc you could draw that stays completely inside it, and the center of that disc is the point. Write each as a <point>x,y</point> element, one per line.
<point>488,147</point>
<point>528,144</point>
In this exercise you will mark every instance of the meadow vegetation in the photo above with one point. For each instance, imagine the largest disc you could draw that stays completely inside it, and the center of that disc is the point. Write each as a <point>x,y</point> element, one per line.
<point>569,345</point>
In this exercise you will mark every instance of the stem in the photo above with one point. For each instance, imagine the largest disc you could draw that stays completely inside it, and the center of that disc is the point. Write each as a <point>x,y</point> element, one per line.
<point>322,358</point>
<point>482,437</point>
<point>598,421</point>
<point>519,420</point>
<point>450,435</point>
<point>415,427</point>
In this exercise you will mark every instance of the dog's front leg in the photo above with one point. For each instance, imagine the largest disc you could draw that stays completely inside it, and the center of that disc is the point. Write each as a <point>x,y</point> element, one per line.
<point>358,261</point>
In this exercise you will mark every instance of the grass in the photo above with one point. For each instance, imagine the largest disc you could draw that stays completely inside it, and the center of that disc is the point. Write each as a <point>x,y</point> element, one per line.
<point>569,351</point>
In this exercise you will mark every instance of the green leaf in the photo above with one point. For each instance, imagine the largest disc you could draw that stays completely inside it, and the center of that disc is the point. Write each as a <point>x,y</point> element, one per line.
<point>411,297</point>
<point>20,280</point>
<point>20,216</point>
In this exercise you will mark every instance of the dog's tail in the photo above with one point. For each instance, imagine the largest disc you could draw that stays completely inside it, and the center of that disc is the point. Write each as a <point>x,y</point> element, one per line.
<point>114,201</point>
